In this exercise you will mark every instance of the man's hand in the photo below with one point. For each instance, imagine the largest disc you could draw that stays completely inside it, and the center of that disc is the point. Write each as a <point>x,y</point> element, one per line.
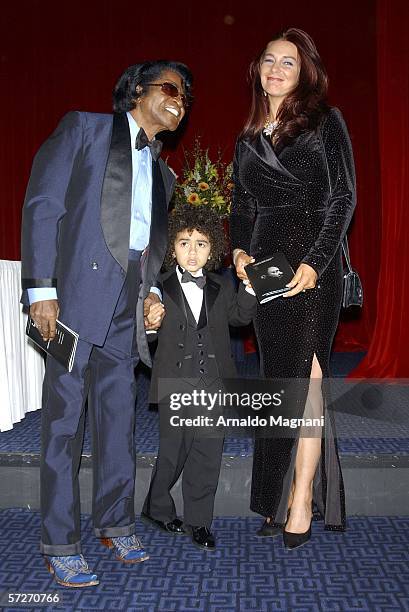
<point>304,278</point>
<point>44,314</point>
<point>150,300</point>
<point>154,318</point>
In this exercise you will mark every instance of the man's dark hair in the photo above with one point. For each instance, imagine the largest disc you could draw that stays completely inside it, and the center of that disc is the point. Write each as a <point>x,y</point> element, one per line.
<point>125,95</point>
<point>204,220</point>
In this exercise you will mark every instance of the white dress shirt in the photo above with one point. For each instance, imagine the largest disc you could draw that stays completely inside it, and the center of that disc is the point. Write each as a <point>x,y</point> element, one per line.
<point>193,293</point>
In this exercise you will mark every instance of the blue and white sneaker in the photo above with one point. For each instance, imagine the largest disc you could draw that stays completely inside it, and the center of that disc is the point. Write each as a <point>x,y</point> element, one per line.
<point>128,549</point>
<point>71,571</point>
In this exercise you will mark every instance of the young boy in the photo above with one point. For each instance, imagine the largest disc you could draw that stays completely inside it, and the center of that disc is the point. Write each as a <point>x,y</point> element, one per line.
<point>193,344</point>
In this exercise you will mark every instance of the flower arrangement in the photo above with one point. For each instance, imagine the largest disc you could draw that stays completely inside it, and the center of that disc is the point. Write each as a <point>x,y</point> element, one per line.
<point>205,183</point>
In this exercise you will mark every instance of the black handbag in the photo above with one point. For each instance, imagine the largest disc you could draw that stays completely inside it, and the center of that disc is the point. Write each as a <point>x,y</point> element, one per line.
<point>352,293</point>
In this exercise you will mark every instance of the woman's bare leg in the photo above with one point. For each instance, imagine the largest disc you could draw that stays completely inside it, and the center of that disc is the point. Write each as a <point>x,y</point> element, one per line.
<point>308,455</point>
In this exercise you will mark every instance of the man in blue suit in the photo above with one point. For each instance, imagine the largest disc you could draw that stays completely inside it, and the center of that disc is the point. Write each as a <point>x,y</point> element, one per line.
<point>94,236</point>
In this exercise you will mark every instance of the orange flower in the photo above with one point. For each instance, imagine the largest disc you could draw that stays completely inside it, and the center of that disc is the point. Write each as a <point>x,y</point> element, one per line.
<point>194,199</point>
<point>203,186</point>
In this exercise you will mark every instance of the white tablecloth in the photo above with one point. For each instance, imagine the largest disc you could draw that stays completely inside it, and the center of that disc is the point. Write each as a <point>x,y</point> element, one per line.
<point>21,364</point>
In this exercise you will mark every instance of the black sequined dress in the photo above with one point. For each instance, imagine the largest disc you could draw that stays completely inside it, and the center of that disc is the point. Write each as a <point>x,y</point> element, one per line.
<point>298,200</point>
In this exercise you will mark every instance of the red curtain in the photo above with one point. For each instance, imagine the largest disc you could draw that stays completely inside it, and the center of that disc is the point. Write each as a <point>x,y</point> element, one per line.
<point>57,57</point>
<point>388,354</point>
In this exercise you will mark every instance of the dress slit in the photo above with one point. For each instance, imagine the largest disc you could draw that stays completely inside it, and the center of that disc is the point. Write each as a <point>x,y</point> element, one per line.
<point>274,461</point>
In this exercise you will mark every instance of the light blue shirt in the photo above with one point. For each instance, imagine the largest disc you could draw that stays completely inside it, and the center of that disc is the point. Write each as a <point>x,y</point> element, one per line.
<point>141,191</point>
<point>141,208</point>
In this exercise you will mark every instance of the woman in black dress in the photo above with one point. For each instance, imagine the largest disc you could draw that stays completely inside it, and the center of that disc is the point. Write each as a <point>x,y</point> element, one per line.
<point>295,193</point>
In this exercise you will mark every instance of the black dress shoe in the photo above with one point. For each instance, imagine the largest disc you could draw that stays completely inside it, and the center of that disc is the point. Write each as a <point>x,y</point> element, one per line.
<point>268,530</point>
<point>203,538</point>
<point>174,527</point>
<point>295,540</point>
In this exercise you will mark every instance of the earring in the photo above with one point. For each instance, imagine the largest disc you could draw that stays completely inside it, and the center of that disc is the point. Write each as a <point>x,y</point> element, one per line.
<point>264,93</point>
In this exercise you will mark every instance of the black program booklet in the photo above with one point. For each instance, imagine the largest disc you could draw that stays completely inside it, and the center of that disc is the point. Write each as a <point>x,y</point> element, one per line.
<point>62,348</point>
<point>270,276</point>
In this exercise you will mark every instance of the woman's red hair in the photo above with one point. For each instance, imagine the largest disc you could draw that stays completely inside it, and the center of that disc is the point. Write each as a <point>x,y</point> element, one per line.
<point>302,108</point>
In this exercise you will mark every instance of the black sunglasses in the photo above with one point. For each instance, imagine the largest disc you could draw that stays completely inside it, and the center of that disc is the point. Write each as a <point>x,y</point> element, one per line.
<point>169,89</point>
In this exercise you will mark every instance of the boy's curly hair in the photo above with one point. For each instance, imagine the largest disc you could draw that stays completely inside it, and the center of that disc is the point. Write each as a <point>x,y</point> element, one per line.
<point>205,221</point>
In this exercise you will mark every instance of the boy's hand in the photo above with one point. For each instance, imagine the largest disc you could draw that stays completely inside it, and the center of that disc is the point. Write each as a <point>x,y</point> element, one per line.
<point>154,317</point>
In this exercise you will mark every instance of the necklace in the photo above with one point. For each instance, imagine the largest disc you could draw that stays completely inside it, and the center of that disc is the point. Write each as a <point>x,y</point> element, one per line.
<point>269,126</point>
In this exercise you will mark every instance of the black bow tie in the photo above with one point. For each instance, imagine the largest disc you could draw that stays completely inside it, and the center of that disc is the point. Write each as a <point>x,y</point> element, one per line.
<point>189,278</point>
<point>143,141</point>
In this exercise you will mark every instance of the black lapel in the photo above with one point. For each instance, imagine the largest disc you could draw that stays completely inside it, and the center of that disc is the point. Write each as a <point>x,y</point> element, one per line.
<point>158,239</point>
<point>172,287</point>
<point>211,291</point>
<point>169,179</point>
<point>116,194</point>
<point>264,150</point>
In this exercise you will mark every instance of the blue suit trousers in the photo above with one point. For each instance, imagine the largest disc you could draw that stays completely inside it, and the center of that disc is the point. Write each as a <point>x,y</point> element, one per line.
<point>103,375</point>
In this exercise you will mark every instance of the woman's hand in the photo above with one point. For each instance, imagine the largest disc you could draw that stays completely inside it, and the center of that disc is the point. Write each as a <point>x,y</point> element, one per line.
<point>240,260</point>
<point>304,278</point>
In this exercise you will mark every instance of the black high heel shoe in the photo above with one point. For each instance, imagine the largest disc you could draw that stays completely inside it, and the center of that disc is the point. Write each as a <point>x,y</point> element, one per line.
<point>295,540</point>
<point>268,530</point>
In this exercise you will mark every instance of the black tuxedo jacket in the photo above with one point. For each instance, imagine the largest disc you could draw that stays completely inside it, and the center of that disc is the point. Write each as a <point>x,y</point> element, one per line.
<point>224,307</point>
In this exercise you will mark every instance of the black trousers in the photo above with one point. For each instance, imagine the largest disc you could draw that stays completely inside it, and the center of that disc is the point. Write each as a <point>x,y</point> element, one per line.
<point>196,453</point>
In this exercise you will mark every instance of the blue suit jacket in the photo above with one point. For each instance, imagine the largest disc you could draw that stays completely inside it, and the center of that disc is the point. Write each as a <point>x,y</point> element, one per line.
<point>76,222</point>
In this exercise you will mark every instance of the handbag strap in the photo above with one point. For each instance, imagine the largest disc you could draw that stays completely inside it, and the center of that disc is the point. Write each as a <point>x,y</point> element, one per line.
<point>345,250</point>
<point>345,246</point>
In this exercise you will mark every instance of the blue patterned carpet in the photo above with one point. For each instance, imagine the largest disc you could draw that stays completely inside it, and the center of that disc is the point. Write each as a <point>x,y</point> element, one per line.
<point>365,569</point>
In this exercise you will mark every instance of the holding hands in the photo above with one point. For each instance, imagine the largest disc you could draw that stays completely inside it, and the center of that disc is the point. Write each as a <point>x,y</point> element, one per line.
<point>153,312</point>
